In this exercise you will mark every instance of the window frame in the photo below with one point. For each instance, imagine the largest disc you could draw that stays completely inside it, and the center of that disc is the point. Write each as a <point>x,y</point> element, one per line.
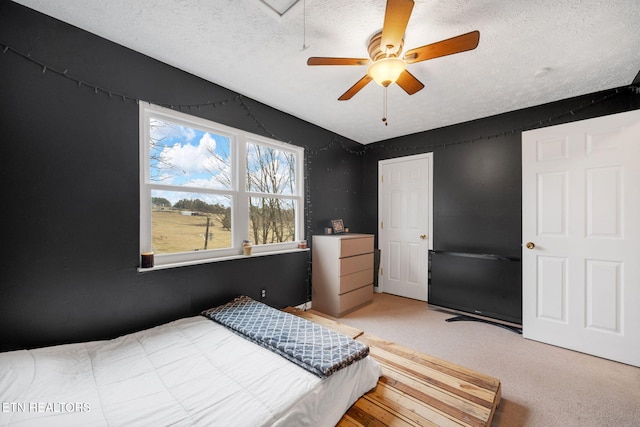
<point>239,194</point>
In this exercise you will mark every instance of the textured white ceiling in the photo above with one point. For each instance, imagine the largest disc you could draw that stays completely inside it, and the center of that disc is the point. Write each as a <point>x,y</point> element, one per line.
<point>246,46</point>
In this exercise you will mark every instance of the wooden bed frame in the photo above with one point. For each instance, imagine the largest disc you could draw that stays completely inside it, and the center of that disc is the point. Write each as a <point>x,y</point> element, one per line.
<point>416,389</point>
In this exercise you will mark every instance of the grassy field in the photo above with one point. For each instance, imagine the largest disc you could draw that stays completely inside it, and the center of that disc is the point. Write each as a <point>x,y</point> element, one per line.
<point>174,232</point>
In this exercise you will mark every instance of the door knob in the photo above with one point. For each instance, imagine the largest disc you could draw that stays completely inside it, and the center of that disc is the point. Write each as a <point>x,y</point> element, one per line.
<point>530,245</point>
<point>423,236</point>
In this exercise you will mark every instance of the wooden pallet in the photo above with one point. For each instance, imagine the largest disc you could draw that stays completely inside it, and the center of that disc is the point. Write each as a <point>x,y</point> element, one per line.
<point>416,389</point>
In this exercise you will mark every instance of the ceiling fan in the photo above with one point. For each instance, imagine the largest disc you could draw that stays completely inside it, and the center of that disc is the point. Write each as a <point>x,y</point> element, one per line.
<point>385,47</point>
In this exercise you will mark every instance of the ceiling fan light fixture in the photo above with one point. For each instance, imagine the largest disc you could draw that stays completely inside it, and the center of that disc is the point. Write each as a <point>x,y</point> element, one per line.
<point>385,50</point>
<point>386,71</point>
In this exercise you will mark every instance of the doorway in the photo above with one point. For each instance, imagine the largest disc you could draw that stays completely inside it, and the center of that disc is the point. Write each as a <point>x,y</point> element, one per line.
<point>581,234</point>
<point>405,224</point>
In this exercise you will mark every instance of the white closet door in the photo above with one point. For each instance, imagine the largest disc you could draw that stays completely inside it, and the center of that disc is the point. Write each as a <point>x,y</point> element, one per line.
<point>405,235</point>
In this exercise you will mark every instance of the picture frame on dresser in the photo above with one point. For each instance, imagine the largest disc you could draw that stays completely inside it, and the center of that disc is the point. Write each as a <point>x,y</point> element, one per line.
<point>338,226</point>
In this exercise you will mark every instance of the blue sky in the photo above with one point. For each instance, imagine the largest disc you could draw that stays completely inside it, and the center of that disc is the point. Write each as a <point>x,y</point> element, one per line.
<point>188,158</point>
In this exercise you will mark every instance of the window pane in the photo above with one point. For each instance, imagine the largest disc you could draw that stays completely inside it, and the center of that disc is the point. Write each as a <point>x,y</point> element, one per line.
<point>270,170</point>
<point>200,176</point>
<point>272,220</point>
<point>186,222</point>
<point>182,155</point>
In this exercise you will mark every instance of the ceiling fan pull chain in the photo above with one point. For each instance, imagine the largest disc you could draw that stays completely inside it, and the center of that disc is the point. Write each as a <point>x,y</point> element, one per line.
<point>384,107</point>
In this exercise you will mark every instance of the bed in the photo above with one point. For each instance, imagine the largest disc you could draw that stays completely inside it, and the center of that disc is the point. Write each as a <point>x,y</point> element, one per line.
<point>192,371</point>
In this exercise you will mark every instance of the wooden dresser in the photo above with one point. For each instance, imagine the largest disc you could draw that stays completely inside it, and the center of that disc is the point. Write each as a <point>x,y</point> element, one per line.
<point>341,272</point>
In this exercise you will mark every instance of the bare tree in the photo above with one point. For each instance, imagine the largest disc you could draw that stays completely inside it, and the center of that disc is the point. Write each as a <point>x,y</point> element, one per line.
<point>271,171</point>
<point>161,166</point>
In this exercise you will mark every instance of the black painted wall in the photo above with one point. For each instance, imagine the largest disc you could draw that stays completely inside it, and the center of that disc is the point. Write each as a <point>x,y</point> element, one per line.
<point>70,196</point>
<point>477,188</point>
<point>477,171</point>
<point>70,245</point>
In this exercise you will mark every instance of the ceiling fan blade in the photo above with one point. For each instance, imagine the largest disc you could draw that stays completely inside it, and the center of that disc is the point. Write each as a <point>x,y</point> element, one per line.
<point>396,18</point>
<point>446,47</point>
<point>317,60</point>
<point>409,83</point>
<point>355,88</point>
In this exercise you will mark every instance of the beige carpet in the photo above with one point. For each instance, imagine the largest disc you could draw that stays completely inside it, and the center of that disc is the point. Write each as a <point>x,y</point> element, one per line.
<point>542,385</point>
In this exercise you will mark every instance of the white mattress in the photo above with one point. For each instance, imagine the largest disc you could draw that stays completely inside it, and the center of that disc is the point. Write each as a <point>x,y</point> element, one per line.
<point>188,372</point>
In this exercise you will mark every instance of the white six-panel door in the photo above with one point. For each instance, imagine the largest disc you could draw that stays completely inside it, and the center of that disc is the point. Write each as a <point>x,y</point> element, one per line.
<point>581,236</point>
<point>405,218</point>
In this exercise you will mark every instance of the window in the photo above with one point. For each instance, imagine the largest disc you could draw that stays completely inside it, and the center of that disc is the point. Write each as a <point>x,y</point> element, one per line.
<point>206,187</point>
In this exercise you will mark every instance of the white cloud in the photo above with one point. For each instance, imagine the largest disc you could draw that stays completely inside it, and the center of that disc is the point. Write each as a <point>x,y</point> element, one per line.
<point>192,159</point>
<point>161,130</point>
<point>187,133</point>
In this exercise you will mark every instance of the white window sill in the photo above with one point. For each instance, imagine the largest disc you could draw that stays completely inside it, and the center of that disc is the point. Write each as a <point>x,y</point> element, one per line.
<point>218,259</point>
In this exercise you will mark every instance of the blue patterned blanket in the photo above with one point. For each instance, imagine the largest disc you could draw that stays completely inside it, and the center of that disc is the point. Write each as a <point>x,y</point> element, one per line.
<point>315,348</point>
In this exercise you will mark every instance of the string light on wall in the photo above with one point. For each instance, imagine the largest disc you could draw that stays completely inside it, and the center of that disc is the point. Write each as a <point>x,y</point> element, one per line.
<point>239,99</point>
<point>335,142</point>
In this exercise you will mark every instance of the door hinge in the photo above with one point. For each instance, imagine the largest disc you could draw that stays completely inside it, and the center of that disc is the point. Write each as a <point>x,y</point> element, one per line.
<point>381,271</point>
<point>382,178</point>
<point>381,225</point>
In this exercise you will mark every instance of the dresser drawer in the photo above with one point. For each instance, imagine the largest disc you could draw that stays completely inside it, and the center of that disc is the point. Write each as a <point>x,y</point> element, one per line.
<point>354,299</point>
<point>355,263</point>
<point>355,280</point>
<point>356,246</point>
